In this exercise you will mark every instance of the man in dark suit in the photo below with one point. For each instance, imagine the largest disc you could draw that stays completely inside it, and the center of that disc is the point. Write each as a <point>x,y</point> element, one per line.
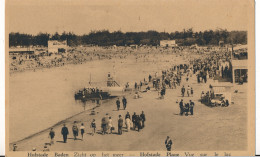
<point>191,107</point>
<point>124,102</point>
<point>187,109</point>
<point>127,115</point>
<point>138,122</point>
<point>120,125</point>
<point>134,120</point>
<point>181,107</point>
<point>64,132</point>
<point>182,91</point>
<point>118,104</point>
<point>143,118</point>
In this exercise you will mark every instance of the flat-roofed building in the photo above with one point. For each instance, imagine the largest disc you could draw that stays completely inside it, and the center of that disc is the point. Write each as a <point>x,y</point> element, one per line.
<point>56,46</point>
<point>168,43</point>
<point>21,50</point>
<point>239,64</point>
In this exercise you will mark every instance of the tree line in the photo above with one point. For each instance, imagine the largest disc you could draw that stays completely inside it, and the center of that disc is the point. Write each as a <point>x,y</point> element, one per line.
<point>106,38</point>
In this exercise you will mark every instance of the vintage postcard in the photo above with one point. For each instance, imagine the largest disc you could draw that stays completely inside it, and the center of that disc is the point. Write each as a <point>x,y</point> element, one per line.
<point>116,78</point>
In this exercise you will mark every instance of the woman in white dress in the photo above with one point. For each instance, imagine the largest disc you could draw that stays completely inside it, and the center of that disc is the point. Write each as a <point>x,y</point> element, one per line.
<point>128,124</point>
<point>110,125</point>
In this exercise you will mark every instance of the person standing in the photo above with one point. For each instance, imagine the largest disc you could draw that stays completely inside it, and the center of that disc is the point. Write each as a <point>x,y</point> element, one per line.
<point>198,78</point>
<point>51,135</point>
<point>82,130</point>
<point>75,130</point>
<point>182,91</point>
<point>168,143</point>
<point>118,104</point>
<point>128,123</point>
<point>138,122</point>
<point>127,116</point>
<point>150,78</point>
<point>14,147</point>
<point>188,90</point>
<point>134,120</point>
<point>110,125</point>
<point>191,107</point>
<point>93,126</point>
<point>191,92</point>
<point>143,118</point>
<point>181,107</point>
<point>124,102</point>
<point>103,125</point>
<point>187,109</point>
<point>64,132</point>
<point>120,125</point>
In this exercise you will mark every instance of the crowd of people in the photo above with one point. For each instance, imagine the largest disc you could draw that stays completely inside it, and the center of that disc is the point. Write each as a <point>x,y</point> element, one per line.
<point>186,108</point>
<point>135,123</point>
<point>202,68</point>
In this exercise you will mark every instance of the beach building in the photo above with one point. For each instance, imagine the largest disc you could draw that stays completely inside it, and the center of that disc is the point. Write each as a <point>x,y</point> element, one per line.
<point>239,64</point>
<point>56,46</point>
<point>168,43</point>
<point>134,46</point>
<point>21,51</point>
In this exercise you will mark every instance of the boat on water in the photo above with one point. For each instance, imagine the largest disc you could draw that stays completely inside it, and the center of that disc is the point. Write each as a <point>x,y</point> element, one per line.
<point>112,90</point>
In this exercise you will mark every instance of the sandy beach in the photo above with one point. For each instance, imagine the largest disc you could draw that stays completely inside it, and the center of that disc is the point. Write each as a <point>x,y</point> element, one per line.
<point>218,128</point>
<point>54,88</point>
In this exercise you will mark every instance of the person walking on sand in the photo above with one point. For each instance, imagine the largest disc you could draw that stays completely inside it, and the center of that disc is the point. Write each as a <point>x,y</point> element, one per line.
<point>181,107</point>
<point>110,125</point>
<point>124,102</point>
<point>191,92</point>
<point>14,147</point>
<point>64,132</point>
<point>134,121</point>
<point>168,143</point>
<point>93,126</point>
<point>138,122</point>
<point>143,119</point>
<point>104,125</point>
<point>82,130</point>
<point>188,90</point>
<point>182,91</point>
<point>51,135</point>
<point>118,104</point>
<point>75,130</point>
<point>187,109</point>
<point>127,115</point>
<point>191,107</point>
<point>128,123</point>
<point>120,125</point>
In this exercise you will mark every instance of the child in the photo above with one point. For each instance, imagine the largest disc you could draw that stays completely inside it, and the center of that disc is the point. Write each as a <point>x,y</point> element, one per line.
<point>51,135</point>
<point>14,147</point>
<point>93,126</point>
<point>82,130</point>
<point>75,130</point>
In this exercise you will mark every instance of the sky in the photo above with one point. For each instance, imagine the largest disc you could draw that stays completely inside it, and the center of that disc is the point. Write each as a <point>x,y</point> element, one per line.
<point>83,16</point>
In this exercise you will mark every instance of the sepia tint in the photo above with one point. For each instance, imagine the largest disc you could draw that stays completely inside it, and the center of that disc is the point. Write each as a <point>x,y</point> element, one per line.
<point>130,78</point>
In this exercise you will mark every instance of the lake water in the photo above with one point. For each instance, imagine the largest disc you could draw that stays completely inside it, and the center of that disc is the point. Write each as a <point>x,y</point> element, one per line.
<point>42,98</point>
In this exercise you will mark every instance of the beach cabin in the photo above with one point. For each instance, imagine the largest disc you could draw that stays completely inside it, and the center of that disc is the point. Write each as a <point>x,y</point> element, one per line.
<point>57,46</point>
<point>168,43</point>
<point>239,64</point>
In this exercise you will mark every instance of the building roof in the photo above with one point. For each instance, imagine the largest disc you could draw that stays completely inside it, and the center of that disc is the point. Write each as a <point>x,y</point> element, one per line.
<point>17,49</point>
